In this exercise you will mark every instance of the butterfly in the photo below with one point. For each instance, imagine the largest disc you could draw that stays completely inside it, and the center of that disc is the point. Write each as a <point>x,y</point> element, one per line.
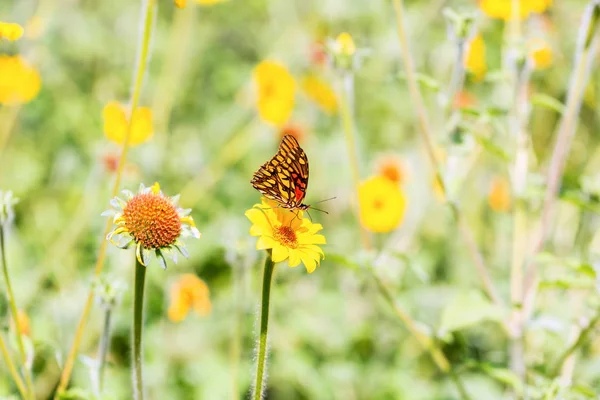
<point>284,178</point>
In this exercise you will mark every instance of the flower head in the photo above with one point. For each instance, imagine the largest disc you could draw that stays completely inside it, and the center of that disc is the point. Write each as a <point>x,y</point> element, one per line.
<point>208,2</point>
<point>7,202</point>
<point>116,124</point>
<point>19,81</point>
<point>382,204</point>
<point>345,44</point>
<point>188,292</point>
<point>287,233</point>
<point>23,321</point>
<point>540,53</point>
<point>321,93</point>
<point>503,9</point>
<point>474,60</point>
<point>392,168</point>
<point>499,195</point>
<point>151,221</point>
<point>10,31</point>
<point>276,89</point>
<point>292,129</point>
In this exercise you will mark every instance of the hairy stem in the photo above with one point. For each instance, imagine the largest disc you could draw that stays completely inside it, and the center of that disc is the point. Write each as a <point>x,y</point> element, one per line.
<point>103,348</point>
<point>13,310</point>
<point>138,314</point>
<point>261,367</point>
<point>143,53</point>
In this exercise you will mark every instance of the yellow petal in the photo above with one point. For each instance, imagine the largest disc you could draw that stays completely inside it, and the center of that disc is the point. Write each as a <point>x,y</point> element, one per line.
<point>308,260</point>
<point>115,122</point>
<point>265,242</point>
<point>141,129</point>
<point>294,259</point>
<point>280,253</point>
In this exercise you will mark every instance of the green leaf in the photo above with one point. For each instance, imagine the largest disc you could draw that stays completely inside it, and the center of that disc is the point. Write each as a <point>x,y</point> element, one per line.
<point>504,376</point>
<point>567,283</point>
<point>549,102</point>
<point>467,309</point>
<point>424,80</point>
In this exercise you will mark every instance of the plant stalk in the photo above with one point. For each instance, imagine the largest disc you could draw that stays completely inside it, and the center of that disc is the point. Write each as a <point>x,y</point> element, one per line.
<point>138,314</point>
<point>11,368</point>
<point>13,310</point>
<point>103,348</point>
<point>261,365</point>
<point>143,54</point>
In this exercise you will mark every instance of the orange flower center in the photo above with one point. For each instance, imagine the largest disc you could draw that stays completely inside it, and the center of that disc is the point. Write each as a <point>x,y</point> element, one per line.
<point>378,204</point>
<point>152,220</point>
<point>286,236</point>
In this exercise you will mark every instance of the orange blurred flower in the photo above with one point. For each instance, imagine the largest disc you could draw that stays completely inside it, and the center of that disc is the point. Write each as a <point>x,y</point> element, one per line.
<point>464,99</point>
<point>19,81</point>
<point>24,323</point>
<point>499,194</point>
<point>474,60</point>
<point>116,123</point>
<point>276,91</point>
<point>180,3</point>
<point>294,130</point>
<point>10,31</point>
<point>187,293</point>
<point>392,168</point>
<point>318,55</point>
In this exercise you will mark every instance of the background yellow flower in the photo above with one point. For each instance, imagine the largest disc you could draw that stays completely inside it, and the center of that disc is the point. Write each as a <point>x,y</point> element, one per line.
<point>187,293</point>
<point>10,31</point>
<point>209,2</point>
<point>287,233</point>
<point>345,44</point>
<point>541,53</point>
<point>115,123</point>
<point>499,195</point>
<point>276,90</point>
<point>382,204</point>
<point>320,92</point>
<point>19,81</point>
<point>502,9</point>
<point>474,61</point>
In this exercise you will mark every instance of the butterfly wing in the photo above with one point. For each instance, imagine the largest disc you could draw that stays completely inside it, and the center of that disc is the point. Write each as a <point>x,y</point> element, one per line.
<point>284,178</point>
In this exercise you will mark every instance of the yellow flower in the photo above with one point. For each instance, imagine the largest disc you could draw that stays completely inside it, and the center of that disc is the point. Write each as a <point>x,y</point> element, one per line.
<point>321,93</point>
<point>208,2</point>
<point>24,323</point>
<point>151,221</point>
<point>392,168</point>
<point>19,82</point>
<point>10,31</point>
<point>540,52</point>
<point>474,60</point>
<point>499,195</point>
<point>382,204</point>
<point>287,233</point>
<point>180,3</point>
<point>188,292</point>
<point>276,90</point>
<point>438,190</point>
<point>345,44</point>
<point>502,9</point>
<point>115,124</point>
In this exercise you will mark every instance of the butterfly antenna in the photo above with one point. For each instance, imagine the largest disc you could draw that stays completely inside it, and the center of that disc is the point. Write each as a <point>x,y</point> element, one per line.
<point>316,209</point>
<point>309,216</point>
<point>323,201</point>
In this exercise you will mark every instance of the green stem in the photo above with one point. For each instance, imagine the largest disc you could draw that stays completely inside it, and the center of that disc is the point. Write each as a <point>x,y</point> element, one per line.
<point>264,327</point>
<point>146,24</point>
<point>11,368</point>
<point>103,348</point>
<point>138,311</point>
<point>13,310</point>
<point>345,108</point>
<point>583,335</point>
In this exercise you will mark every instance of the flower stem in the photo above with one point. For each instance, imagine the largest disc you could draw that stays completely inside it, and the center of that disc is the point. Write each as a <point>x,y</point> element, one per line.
<point>11,368</point>
<point>138,312</point>
<point>146,23</point>
<point>13,310</point>
<point>261,366</point>
<point>581,338</point>
<point>103,348</point>
<point>425,131</point>
<point>345,109</point>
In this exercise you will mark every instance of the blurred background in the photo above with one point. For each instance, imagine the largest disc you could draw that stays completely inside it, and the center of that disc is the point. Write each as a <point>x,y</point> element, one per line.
<point>332,334</point>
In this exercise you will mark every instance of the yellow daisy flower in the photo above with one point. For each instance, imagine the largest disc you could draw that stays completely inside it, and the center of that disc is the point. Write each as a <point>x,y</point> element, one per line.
<point>208,2</point>
<point>287,233</point>
<point>474,60</point>
<point>321,93</point>
<point>152,222</point>
<point>10,31</point>
<point>540,53</point>
<point>499,195</point>
<point>276,89</point>
<point>187,293</point>
<point>502,9</point>
<point>382,204</point>
<point>116,124</point>
<point>19,81</point>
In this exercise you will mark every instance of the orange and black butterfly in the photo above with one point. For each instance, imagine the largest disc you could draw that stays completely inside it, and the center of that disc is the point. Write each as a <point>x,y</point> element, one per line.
<point>284,178</point>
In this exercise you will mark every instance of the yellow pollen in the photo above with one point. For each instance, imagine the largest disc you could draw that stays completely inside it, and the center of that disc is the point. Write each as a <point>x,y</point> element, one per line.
<point>152,220</point>
<point>286,236</point>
